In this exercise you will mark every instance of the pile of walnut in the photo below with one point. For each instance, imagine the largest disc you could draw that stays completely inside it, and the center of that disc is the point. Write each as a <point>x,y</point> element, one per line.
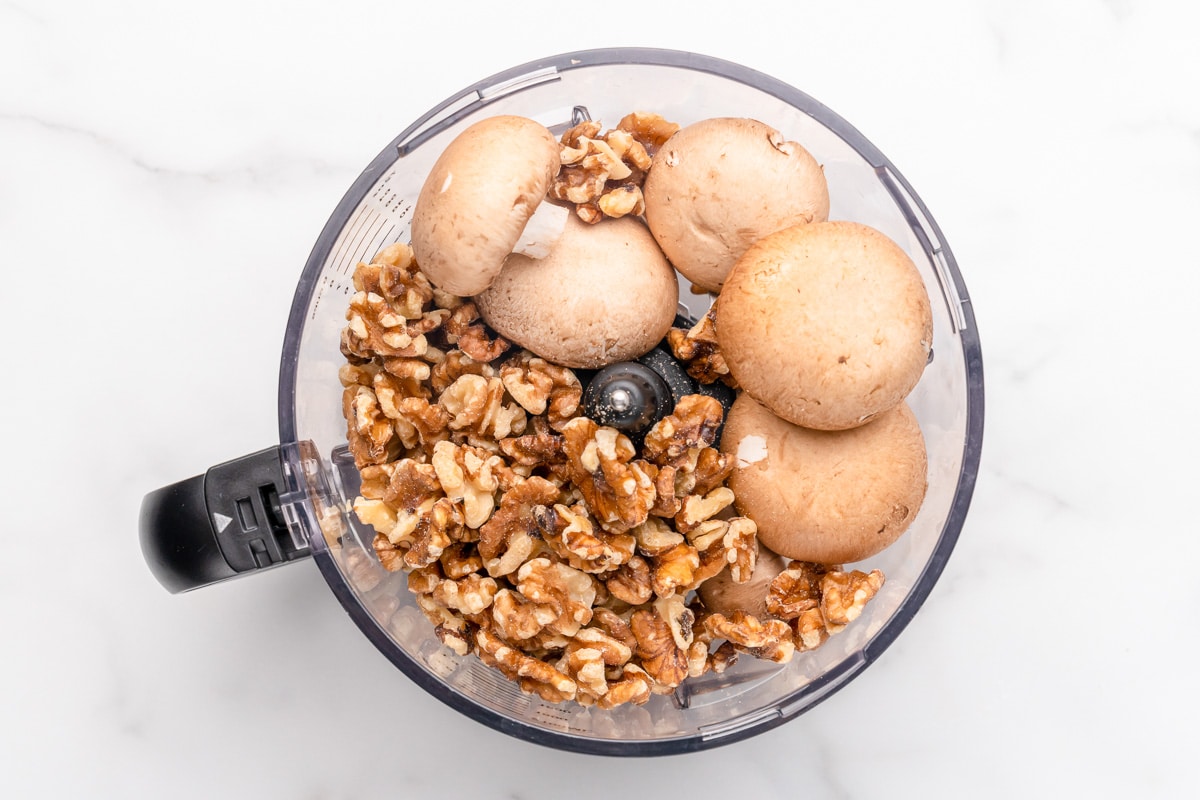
<point>540,541</point>
<point>603,175</point>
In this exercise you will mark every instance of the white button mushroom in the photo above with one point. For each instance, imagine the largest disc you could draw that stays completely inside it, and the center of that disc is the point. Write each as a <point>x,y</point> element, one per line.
<point>831,497</point>
<point>719,185</point>
<point>827,324</point>
<point>479,199</point>
<point>604,294</point>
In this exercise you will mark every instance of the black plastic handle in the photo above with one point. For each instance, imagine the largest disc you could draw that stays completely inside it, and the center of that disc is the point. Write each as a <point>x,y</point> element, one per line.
<point>220,525</point>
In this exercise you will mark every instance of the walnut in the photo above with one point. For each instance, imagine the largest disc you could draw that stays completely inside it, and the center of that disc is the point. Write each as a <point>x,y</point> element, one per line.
<point>618,491</point>
<point>423,580</point>
<point>574,141</point>
<point>446,300</point>
<point>650,130</point>
<point>419,423</point>
<point>368,431</point>
<point>476,404</point>
<point>374,328</point>
<point>512,522</point>
<point>679,618</point>
<point>581,186</point>
<point>698,350</point>
<point>460,559</point>
<point>508,476</point>
<point>662,659</point>
<point>521,546</point>
<point>700,660</point>
<point>451,629</point>
<point>633,686</point>
<point>589,655</point>
<point>602,175</point>
<point>676,439</point>
<point>711,470</point>
<point>429,322</point>
<point>674,569</point>
<point>655,537</point>
<point>538,449</point>
<point>585,547</point>
<point>820,600</point>
<point>845,594</point>
<point>771,640</point>
<point>631,582</point>
<point>795,590</point>
<point>697,659</point>
<point>400,378</point>
<point>468,476</point>
<point>464,329</point>
<point>708,533</point>
<point>533,675</point>
<point>453,366</point>
<point>741,548</point>
<point>627,147</point>
<point>614,625</point>
<point>519,619</point>
<point>614,651</point>
<point>454,637</point>
<point>390,556</point>
<point>697,509</point>
<point>350,374</point>
<point>624,199</point>
<point>589,212</point>
<point>394,274</point>
<point>586,666</point>
<point>810,629</point>
<point>395,497</point>
<point>724,657</point>
<point>470,595</point>
<point>568,591</point>
<point>543,388</point>
<point>434,532</point>
<point>547,643</point>
<point>376,514</point>
<point>709,541</point>
<point>667,502</point>
<point>405,485</point>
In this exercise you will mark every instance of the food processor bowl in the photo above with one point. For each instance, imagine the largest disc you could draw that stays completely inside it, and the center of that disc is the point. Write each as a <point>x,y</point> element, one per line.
<point>291,501</point>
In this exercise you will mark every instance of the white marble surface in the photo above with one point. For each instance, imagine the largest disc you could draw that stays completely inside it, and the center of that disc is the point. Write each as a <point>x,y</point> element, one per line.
<point>164,171</point>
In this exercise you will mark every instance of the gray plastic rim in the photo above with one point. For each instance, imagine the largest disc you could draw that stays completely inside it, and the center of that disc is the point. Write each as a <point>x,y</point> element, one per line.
<point>837,678</point>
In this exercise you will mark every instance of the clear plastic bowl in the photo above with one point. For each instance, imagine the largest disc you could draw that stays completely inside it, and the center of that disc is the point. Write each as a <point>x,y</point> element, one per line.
<point>754,695</point>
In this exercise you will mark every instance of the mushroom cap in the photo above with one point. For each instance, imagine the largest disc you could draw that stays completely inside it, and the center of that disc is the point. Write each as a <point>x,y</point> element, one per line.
<point>719,185</point>
<point>722,596</point>
<point>828,324</point>
<point>830,497</point>
<point>475,202</point>
<point>605,293</point>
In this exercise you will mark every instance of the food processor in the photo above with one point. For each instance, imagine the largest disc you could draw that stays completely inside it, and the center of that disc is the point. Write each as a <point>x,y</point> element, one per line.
<point>291,502</point>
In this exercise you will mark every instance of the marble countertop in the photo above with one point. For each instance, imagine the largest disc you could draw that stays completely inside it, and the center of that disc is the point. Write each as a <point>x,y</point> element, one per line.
<point>164,172</point>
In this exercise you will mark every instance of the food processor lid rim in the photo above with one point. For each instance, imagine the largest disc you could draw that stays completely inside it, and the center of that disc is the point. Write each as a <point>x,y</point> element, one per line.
<point>965,329</point>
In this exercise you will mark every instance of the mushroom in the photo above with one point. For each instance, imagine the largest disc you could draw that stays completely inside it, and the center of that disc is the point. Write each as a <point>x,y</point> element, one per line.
<point>719,185</point>
<point>830,497</point>
<point>827,324</point>
<point>485,198</point>
<point>722,596</point>
<point>604,294</point>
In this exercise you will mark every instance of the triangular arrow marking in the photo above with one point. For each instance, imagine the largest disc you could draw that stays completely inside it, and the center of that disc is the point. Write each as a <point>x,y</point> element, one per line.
<point>222,521</point>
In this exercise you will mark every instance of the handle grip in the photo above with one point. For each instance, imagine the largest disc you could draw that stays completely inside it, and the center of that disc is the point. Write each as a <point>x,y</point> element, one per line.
<point>220,525</point>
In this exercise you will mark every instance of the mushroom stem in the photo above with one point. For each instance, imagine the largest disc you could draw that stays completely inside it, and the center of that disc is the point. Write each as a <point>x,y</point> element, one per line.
<point>542,231</point>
